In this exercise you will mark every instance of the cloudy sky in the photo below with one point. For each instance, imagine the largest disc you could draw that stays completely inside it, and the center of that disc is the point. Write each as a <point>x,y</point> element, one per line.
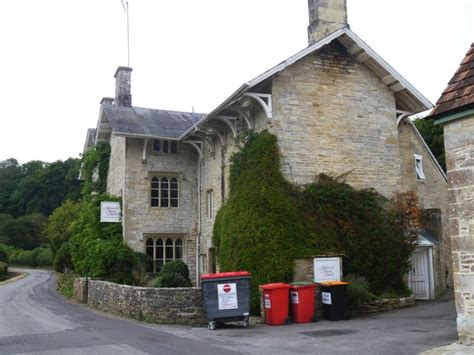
<point>58,57</point>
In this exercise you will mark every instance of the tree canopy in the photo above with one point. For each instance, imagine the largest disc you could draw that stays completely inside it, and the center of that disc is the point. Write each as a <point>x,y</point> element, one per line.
<point>434,137</point>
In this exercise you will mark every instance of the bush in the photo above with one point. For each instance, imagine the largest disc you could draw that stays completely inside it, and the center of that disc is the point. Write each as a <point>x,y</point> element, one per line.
<point>24,258</point>
<point>3,269</point>
<point>43,257</point>
<point>173,274</point>
<point>358,291</point>
<point>66,284</point>
<point>62,260</point>
<point>171,279</point>
<point>176,266</point>
<point>4,255</point>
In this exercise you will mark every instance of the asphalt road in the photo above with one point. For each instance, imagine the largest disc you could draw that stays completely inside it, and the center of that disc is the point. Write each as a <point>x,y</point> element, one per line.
<point>34,319</point>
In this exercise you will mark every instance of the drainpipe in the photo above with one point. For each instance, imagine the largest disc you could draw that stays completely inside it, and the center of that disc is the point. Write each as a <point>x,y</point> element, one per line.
<point>198,239</point>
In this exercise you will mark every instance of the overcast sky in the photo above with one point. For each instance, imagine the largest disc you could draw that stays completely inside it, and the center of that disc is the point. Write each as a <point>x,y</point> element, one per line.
<point>58,57</point>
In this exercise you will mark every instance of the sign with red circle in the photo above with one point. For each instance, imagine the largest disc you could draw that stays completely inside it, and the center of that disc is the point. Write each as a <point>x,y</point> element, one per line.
<point>226,288</point>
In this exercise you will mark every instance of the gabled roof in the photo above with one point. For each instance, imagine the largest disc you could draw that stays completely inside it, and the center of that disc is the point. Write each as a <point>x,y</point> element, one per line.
<point>148,123</point>
<point>408,98</point>
<point>459,94</point>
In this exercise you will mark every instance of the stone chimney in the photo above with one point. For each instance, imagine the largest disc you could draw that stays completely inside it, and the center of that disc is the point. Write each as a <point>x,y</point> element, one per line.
<point>325,17</point>
<point>123,96</point>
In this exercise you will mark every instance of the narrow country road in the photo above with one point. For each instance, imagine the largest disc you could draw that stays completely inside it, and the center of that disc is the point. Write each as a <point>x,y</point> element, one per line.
<point>35,319</point>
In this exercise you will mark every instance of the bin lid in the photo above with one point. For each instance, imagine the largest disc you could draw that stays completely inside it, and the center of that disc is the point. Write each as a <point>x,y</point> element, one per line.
<point>274,286</point>
<point>296,285</point>
<point>221,275</point>
<point>334,283</point>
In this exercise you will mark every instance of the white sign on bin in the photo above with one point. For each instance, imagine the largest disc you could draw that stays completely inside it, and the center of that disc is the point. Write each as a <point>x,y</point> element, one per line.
<point>227,296</point>
<point>327,269</point>
<point>110,212</point>
<point>326,297</point>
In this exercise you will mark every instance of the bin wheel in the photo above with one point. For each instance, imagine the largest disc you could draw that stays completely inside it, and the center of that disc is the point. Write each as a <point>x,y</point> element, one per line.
<point>212,325</point>
<point>245,323</point>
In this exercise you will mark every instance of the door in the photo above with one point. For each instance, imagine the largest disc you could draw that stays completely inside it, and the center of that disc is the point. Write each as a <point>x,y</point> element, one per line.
<point>419,275</point>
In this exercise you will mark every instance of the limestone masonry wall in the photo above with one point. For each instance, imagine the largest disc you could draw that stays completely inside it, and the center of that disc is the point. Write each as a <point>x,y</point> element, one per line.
<point>333,115</point>
<point>140,219</point>
<point>158,305</point>
<point>432,194</point>
<point>116,173</point>
<point>459,144</point>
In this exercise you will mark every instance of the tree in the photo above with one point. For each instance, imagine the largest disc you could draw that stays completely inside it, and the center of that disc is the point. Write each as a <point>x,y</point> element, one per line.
<point>58,229</point>
<point>434,137</point>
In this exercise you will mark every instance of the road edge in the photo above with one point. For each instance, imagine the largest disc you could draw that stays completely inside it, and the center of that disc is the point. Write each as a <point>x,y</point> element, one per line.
<point>13,279</point>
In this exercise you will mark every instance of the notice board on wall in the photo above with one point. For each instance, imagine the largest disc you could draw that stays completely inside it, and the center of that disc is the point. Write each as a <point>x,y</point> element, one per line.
<point>327,269</point>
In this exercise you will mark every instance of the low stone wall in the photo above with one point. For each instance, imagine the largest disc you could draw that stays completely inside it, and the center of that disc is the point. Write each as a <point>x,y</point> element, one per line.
<point>384,305</point>
<point>159,305</point>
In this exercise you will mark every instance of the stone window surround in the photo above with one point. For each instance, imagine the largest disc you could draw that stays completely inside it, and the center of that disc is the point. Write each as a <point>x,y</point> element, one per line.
<point>210,204</point>
<point>164,238</point>
<point>420,175</point>
<point>159,176</point>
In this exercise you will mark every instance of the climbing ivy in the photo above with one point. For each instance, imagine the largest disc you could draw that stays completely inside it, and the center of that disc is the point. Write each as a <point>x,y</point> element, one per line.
<point>95,166</point>
<point>267,222</point>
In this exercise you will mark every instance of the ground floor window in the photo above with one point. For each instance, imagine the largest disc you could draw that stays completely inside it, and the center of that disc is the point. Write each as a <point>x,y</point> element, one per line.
<point>161,250</point>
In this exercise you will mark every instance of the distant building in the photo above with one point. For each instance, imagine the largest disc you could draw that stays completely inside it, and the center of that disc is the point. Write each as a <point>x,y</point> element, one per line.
<point>336,107</point>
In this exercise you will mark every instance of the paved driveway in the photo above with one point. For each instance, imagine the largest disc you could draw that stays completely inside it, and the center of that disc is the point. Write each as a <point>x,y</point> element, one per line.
<point>34,319</point>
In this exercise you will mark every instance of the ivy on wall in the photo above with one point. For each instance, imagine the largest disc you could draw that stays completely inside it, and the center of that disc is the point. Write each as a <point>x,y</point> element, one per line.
<point>267,222</point>
<point>95,166</point>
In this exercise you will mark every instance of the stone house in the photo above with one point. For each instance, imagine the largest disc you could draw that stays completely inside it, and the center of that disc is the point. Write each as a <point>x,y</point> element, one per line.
<point>455,111</point>
<point>336,107</point>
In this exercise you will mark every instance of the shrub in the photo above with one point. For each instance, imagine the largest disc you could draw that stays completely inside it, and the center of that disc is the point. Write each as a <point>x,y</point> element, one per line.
<point>43,257</point>
<point>66,284</point>
<point>358,291</point>
<point>3,269</point>
<point>4,255</point>
<point>176,266</point>
<point>171,279</point>
<point>59,225</point>
<point>62,260</point>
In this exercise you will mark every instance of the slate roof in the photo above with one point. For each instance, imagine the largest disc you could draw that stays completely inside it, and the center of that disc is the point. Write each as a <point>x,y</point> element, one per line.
<point>459,93</point>
<point>145,122</point>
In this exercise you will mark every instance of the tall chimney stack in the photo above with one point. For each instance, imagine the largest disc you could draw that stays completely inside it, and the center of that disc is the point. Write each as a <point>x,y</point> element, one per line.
<point>123,96</point>
<point>325,17</point>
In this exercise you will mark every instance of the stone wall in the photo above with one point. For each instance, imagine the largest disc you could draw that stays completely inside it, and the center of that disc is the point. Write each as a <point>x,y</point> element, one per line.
<point>333,115</point>
<point>433,195</point>
<point>459,144</point>
<point>140,219</point>
<point>116,173</point>
<point>158,305</point>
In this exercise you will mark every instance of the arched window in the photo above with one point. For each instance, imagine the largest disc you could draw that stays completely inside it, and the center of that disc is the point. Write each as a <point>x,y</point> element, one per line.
<point>169,250</point>
<point>149,251</point>
<point>178,249</point>
<point>164,190</point>
<point>162,251</point>
<point>155,191</point>
<point>159,254</point>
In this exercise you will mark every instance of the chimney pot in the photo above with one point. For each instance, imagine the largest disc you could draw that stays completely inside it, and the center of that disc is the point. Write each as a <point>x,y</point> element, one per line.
<point>107,100</point>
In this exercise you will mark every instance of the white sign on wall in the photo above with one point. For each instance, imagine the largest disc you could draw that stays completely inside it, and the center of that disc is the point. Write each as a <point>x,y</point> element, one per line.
<point>227,296</point>
<point>327,269</point>
<point>110,212</point>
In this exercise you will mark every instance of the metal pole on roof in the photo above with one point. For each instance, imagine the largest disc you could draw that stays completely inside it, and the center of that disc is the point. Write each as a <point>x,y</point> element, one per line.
<point>125,8</point>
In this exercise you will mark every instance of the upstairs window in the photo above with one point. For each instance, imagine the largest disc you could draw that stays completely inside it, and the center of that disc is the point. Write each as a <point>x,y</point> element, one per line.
<point>164,191</point>
<point>420,175</point>
<point>163,146</point>
<point>210,205</point>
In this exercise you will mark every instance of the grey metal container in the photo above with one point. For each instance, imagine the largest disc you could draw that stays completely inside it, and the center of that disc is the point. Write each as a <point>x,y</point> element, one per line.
<point>226,297</point>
